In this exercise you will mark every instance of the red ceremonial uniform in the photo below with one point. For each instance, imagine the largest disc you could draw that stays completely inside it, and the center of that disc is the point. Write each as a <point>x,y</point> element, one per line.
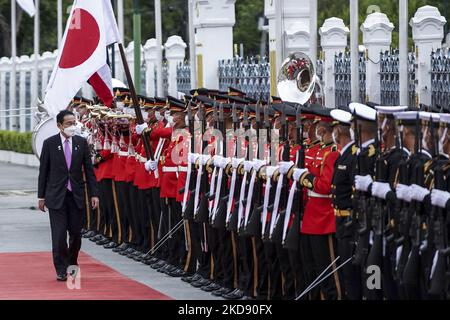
<point>318,217</point>
<point>119,162</point>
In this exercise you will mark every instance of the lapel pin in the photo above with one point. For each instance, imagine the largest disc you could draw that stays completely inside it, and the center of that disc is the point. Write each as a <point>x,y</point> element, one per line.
<point>59,148</point>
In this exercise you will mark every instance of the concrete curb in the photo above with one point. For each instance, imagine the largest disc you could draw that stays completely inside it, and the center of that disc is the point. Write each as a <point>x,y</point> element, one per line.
<point>29,160</point>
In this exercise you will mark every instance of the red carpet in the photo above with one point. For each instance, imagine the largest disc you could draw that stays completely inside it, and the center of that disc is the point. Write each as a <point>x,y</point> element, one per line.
<point>31,276</point>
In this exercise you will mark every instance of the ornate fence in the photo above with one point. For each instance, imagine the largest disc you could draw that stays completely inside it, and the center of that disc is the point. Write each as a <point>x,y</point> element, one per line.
<point>250,75</point>
<point>343,78</point>
<point>440,78</point>
<point>184,77</point>
<point>389,78</point>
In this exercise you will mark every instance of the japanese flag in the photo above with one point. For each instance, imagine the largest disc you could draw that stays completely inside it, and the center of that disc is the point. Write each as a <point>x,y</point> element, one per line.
<point>27,6</point>
<point>91,27</point>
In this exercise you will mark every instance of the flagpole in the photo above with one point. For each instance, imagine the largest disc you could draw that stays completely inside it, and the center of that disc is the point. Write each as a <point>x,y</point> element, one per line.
<point>192,48</point>
<point>59,21</point>
<point>120,19</point>
<point>137,44</point>
<point>137,109</point>
<point>158,33</point>
<point>13,120</point>
<point>36,55</point>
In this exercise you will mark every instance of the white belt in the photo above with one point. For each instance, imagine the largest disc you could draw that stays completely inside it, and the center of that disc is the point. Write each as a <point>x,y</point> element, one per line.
<point>170,169</point>
<point>313,194</point>
<point>123,153</point>
<point>140,158</point>
<point>182,169</point>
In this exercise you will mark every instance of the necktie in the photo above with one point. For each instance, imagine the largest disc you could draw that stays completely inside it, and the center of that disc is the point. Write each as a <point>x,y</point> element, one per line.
<point>68,155</point>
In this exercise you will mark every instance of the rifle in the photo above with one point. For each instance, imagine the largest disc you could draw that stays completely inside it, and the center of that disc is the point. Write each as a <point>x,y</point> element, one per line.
<point>236,179</point>
<point>439,278</point>
<point>291,240</point>
<point>188,210</point>
<point>276,228</point>
<point>361,207</point>
<point>252,226</point>
<point>375,256</point>
<point>411,272</point>
<point>222,197</point>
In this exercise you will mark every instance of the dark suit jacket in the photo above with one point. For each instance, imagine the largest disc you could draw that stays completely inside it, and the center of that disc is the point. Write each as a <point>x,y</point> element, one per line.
<point>53,172</point>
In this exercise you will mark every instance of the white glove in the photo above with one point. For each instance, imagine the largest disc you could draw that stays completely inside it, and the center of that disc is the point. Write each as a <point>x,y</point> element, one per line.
<point>362,183</point>
<point>285,166</point>
<point>204,158</point>
<point>439,198</point>
<point>217,160</point>
<point>380,189</point>
<point>248,166</point>
<point>257,164</point>
<point>270,171</point>
<point>151,165</point>
<point>298,172</point>
<point>141,127</point>
<point>418,192</point>
<point>224,162</point>
<point>192,157</point>
<point>235,162</point>
<point>403,192</point>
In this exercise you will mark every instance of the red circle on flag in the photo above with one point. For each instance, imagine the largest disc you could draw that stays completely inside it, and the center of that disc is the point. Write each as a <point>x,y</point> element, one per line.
<point>81,41</point>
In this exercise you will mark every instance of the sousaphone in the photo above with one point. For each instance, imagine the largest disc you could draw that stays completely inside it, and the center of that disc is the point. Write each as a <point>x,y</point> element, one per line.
<point>297,79</point>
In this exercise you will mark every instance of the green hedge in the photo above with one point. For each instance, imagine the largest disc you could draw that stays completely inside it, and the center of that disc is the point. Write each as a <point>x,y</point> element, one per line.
<point>16,141</point>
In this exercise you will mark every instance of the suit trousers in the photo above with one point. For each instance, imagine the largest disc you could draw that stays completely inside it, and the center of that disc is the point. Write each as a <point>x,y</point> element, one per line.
<point>67,219</point>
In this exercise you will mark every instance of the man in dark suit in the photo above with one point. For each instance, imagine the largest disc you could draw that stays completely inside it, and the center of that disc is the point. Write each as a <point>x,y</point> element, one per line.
<point>64,157</point>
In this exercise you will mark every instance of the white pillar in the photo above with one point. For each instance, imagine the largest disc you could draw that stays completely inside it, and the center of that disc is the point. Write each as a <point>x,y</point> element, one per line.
<point>403,51</point>
<point>5,67</point>
<point>175,49</point>
<point>23,66</point>
<point>295,25</point>
<point>333,39</point>
<point>428,33</point>
<point>354,51</point>
<point>313,31</point>
<point>214,21</point>
<point>150,56</point>
<point>377,37</point>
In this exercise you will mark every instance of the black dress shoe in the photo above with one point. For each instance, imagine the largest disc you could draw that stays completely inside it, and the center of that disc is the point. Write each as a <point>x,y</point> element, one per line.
<point>247,298</point>
<point>201,283</point>
<point>235,295</point>
<point>169,269</point>
<point>110,245</point>
<point>89,234</point>
<point>190,278</point>
<point>103,242</point>
<point>96,238</point>
<point>61,277</point>
<point>158,264</point>
<point>152,260</point>
<point>127,251</point>
<point>163,268</point>
<point>177,273</point>
<point>83,231</point>
<point>221,292</point>
<point>211,287</point>
<point>133,254</point>
<point>122,247</point>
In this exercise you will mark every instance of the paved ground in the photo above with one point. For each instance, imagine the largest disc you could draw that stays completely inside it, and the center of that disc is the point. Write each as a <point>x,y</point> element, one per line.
<point>24,229</point>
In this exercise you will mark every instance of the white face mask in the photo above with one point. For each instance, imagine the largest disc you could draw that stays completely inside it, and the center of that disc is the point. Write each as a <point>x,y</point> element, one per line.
<point>170,120</point>
<point>158,116</point>
<point>167,115</point>
<point>70,131</point>
<point>334,137</point>
<point>186,120</point>
<point>352,134</point>
<point>442,140</point>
